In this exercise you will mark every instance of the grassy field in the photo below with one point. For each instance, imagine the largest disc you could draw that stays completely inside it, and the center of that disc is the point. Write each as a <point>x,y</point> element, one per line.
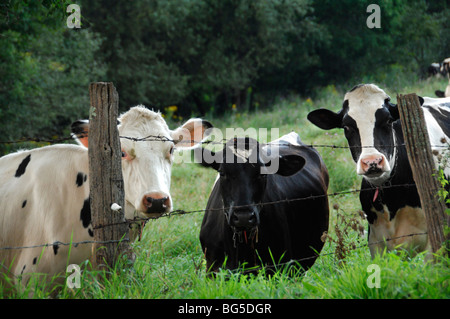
<point>170,262</point>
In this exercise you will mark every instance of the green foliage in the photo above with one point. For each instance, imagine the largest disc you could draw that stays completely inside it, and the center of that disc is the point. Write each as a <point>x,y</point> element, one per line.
<point>200,53</point>
<point>412,35</point>
<point>46,70</point>
<point>444,191</point>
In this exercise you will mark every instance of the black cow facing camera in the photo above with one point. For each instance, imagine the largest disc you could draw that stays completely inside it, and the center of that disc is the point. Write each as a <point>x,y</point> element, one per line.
<point>268,205</point>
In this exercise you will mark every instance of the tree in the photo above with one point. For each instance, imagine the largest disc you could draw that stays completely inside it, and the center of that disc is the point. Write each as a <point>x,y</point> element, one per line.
<point>200,54</point>
<point>46,69</point>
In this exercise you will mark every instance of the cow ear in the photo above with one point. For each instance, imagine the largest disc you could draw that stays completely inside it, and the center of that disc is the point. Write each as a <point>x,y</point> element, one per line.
<point>421,100</point>
<point>80,132</point>
<point>191,133</point>
<point>207,158</point>
<point>290,164</point>
<point>393,109</point>
<point>325,119</point>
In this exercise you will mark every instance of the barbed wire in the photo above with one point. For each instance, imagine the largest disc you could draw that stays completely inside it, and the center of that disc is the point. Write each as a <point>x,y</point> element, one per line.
<point>292,261</point>
<point>245,270</point>
<point>311,197</point>
<point>160,138</point>
<point>144,220</point>
<point>59,243</point>
<point>248,270</point>
<point>152,138</point>
<point>180,211</point>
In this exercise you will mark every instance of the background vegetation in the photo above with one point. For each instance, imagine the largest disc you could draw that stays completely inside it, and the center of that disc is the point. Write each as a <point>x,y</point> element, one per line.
<point>239,64</point>
<point>201,55</point>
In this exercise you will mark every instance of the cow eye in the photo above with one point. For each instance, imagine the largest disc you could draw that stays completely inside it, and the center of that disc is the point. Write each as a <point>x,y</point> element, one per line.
<point>125,155</point>
<point>129,156</point>
<point>169,154</point>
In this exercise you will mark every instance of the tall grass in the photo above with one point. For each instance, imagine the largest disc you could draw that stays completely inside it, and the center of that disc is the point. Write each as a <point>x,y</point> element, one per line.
<point>170,262</point>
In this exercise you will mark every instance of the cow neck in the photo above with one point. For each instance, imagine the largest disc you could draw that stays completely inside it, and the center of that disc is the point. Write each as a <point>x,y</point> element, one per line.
<point>140,224</point>
<point>388,182</point>
<point>245,241</point>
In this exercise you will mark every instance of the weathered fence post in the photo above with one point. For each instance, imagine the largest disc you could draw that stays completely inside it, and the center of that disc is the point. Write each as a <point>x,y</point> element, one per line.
<point>421,159</point>
<point>105,176</point>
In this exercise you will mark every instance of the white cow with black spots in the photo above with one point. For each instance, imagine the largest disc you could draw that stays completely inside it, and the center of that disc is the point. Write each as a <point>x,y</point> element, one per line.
<point>44,192</point>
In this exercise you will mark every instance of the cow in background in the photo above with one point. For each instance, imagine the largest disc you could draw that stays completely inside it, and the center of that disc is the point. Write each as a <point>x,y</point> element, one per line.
<point>373,130</point>
<point>434,69</point>
<point>444,70</point>
<point>44,193</point>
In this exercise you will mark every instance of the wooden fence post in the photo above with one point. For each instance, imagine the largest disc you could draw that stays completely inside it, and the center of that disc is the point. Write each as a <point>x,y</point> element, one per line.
<point>105,176</point>
<point>421,159</point>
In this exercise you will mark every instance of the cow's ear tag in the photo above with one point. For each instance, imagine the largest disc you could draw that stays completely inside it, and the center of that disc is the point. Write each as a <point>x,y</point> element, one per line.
<point>375,195</point>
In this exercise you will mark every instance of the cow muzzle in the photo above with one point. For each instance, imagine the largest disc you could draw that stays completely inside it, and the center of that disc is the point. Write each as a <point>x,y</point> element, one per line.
<point>373,165</point>
<point>244,219</point>
<point>155,204</point>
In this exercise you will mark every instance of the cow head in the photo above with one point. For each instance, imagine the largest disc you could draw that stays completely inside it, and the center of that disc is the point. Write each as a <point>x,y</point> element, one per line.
<point>367,117</point>
<point>243,180</point>
<point>445,67</point>
<point>146,164</point>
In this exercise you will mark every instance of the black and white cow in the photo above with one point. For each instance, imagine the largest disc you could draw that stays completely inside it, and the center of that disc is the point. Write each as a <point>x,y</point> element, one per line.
<point>239,228</point>
<point>44,192</point>
<point>373,130</point>
<point>434,69</point>
<point>444,69</point>
<point>439,69</point>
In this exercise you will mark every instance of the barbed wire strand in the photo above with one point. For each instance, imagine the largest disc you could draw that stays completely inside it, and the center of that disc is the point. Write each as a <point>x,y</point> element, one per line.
<point>159,138</point>
<point>184,212</point>
<point>248,270</point>
<point>292,261</point>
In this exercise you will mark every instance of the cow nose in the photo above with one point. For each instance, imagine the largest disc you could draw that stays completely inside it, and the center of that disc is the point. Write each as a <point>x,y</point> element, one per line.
<point>156,203</point>
<point>372,164</point>
<point>243,219</point>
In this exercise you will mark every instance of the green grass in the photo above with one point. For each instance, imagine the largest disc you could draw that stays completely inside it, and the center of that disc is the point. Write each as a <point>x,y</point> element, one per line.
<point>170,263</point>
